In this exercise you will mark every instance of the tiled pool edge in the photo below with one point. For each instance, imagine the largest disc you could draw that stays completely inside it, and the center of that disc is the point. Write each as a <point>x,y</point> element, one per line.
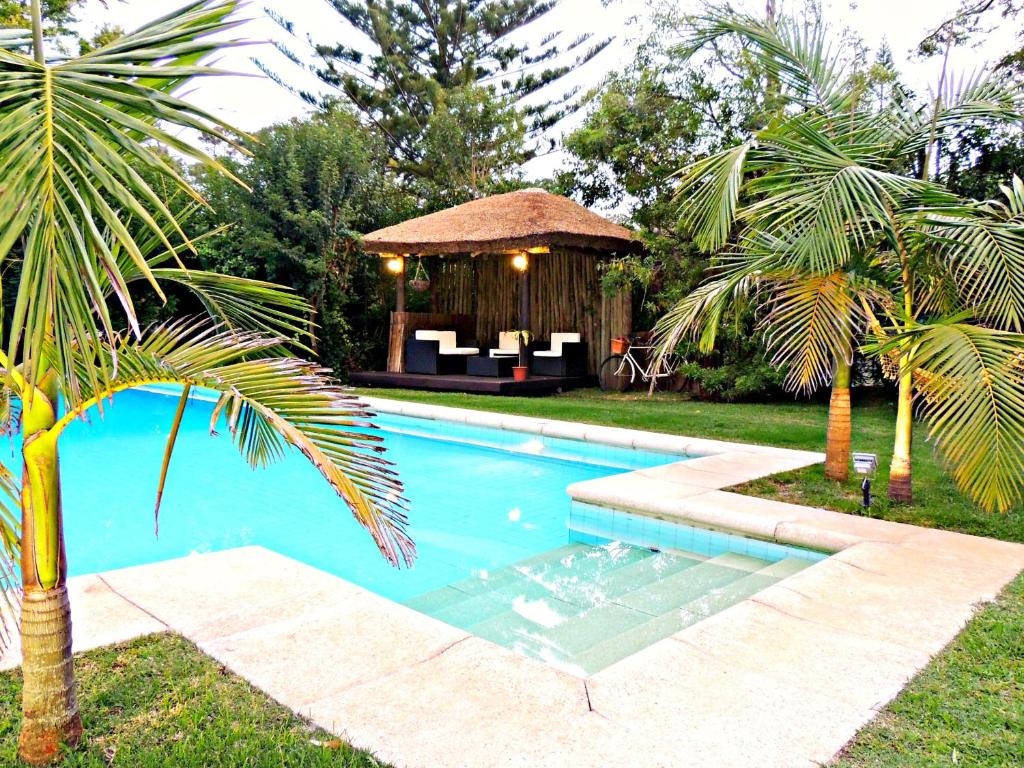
<point>684,491</point>
<point>573,430</point>
<point>782,679</point>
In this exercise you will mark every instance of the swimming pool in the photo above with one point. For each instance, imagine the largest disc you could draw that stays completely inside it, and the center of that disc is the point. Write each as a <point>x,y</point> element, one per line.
<point>501,551</point>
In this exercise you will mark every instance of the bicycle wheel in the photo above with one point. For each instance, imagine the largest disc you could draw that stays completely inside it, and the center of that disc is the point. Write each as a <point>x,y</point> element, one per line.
<point>615,374</point>
<point>672,380</point>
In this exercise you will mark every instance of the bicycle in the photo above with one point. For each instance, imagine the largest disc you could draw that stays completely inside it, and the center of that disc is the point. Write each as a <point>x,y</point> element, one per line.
<point>618,373</point>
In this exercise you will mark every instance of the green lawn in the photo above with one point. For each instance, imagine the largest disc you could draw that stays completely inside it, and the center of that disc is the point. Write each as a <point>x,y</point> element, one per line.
<point>159,701</point>
<point>937,502</point>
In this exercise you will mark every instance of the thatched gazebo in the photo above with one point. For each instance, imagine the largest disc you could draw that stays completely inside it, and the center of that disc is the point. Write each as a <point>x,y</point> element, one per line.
<point>522,260</point>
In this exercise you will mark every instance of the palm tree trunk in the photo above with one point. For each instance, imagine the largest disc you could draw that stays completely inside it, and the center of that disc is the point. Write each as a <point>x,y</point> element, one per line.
<point>49,706</point>
<point>837,439</point>
<point>900,470</point>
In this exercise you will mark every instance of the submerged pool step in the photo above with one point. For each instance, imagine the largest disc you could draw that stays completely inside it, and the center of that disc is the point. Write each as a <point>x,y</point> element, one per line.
<point>555,634</point>
<point>619,645</point>
<point>560,573</point>
<point>658,566</point>
<point>598,614</point>
<point>583,607</point>
<point>563,640</point>
<point>661,596</point>
<point>601,635</point>
<point>436,599</point>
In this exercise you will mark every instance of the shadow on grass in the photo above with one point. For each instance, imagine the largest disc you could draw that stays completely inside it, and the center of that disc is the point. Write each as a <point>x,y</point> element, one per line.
<point>159,701</point>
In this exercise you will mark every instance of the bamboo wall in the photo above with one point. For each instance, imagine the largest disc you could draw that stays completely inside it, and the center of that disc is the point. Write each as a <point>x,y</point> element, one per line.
<point>565,296</point>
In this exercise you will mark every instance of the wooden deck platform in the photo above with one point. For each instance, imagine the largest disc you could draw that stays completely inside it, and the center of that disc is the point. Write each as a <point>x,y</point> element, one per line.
<point>535,385</point>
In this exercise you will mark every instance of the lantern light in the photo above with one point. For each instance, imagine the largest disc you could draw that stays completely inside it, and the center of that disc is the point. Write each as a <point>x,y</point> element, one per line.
<point>865,464</point>
<point>396,265</point>
<point>520,262</point>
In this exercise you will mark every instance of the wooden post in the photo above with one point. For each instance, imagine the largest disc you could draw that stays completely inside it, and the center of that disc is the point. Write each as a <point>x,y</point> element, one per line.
<point>396,333</point>
<point>524,300</point>
<point>396,342</point>
<point>521,263</point>
<point>400,289</point>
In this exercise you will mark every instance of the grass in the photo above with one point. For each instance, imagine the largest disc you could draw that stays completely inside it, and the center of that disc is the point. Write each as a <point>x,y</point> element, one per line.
<point>965,709</point>
<point>159,701</point>
<point>937,501</point>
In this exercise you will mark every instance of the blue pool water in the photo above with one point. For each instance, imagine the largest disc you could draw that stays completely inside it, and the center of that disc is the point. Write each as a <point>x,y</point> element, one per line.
<point>479,499</point>
<point>502,553</point>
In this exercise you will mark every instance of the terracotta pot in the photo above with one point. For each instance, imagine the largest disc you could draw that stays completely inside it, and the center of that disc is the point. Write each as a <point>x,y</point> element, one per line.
<point>620,345</point>
<point>520,372</point>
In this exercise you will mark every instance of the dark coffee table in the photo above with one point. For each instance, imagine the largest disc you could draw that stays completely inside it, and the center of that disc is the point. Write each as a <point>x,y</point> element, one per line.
<point>495,367</point>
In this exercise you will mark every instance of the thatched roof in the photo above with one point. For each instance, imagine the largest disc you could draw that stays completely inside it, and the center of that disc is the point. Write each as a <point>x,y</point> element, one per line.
<point>528,218</point>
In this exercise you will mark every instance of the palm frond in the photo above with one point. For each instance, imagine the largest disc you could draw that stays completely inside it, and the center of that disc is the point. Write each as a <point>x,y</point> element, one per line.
<point>811,323</point>
<point>10,549</point>
<point>246,304</point>
<point>1013,208</point>
<point>270,404</point>
<point>813,72</point>
<point>710,193</point>
<point>172,439</point>
<point>14,39</point>
<point>72,134</point>
<point>830,204</point>
<point>238,302</point>
<point>698,316</point>
<point>971,383</point>
<point>983,250</point>
<point>985,96</point>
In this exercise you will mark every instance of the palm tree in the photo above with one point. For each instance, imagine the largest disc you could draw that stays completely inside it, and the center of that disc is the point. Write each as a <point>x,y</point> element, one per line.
<point>91,232</point>
<point>826,219</point>
<point>789,302</point>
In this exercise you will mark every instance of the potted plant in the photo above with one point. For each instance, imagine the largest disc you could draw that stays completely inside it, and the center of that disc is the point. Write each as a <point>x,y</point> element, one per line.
<point>522,371</point>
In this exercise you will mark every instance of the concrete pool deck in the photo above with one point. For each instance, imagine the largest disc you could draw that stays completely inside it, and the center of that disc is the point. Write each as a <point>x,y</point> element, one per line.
<point>784,678</point>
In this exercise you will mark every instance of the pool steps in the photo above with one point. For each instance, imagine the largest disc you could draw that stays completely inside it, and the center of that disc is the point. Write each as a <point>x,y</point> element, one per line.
<point>583,607</point>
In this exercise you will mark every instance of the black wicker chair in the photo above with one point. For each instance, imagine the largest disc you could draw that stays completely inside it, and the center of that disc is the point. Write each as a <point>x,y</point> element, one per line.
<point>437,352</point>
<point>566,356</point>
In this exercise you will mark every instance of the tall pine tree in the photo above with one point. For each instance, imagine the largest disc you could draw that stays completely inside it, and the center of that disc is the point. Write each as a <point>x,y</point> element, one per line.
<point>423,50</point>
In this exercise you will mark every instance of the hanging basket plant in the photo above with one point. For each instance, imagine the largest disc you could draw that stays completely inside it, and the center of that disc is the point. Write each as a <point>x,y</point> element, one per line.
<point>420,280</point>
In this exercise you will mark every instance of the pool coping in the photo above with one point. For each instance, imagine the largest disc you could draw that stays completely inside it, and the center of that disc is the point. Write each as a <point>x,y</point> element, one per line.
<point>784,678</point>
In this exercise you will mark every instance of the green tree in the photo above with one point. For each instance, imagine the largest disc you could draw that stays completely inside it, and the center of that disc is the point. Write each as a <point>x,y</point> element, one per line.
<point>474,145</point>
<point>108,33</point>
<point>423,51</point>
<point>57,14</point>
<point>831,212</point>
<point>311,185</point>
<point>58,18</point>
<point>94,234</point>
<point>971,19</point>
<point>657,115</point>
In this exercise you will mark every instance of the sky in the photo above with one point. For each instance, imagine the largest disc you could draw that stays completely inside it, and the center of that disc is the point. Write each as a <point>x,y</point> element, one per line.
<point>253,101</point>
